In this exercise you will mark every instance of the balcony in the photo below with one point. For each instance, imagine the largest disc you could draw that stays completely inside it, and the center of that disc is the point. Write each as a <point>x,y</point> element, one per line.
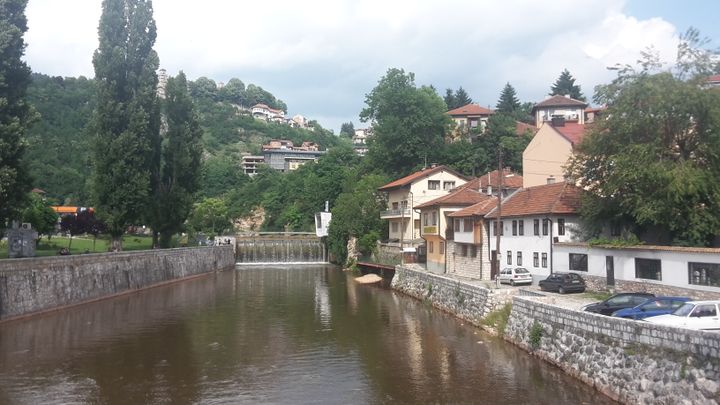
<point>399,213</point>
<point>430,230</point>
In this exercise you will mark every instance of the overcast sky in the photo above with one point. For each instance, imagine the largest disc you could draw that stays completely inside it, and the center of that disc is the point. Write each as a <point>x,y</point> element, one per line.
<point>322,57</point>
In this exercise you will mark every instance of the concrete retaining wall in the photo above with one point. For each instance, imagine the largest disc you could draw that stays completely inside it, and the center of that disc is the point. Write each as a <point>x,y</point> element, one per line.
<point>633,362</point>
<point>30,286</point>
<point>469,302</point>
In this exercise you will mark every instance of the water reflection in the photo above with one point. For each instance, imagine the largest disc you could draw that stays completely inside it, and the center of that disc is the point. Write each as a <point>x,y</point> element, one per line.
<point>268,335</point>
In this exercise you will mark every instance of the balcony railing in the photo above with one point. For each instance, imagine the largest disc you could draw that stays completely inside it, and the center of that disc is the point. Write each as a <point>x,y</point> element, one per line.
<point>395,213</point>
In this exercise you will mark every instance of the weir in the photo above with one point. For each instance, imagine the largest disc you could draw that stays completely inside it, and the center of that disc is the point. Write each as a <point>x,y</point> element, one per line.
<point>267,248</point>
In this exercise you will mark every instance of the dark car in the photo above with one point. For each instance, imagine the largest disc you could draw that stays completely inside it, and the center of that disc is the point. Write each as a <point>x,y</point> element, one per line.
<point>562,283</point>
<point>652,307</point>
<point>618,302</point>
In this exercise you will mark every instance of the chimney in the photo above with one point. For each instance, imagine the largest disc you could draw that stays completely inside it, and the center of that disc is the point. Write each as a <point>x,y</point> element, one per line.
<point>558,121</point>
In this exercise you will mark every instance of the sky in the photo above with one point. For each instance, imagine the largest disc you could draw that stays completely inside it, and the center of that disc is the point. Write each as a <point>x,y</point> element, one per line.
<point>323,56</point>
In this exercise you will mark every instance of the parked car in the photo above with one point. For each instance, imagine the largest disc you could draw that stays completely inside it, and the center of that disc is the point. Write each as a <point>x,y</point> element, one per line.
<point>618,302</point>
<point>698,315</point>
<point>563,282</point>
<point>517,275</point>
<point>652,307</point>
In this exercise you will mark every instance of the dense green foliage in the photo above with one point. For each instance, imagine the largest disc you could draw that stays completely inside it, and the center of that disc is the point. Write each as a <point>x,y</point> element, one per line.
<point>179,172</point>
<point>565,86</point>
<point>347,130</point>
<point>409,124</point>
<point>40,215</point>
<point>652,165</point>
<point>15,112</point>
<point>508,102</point>
<point>455,99</point>
<point>127,118</point>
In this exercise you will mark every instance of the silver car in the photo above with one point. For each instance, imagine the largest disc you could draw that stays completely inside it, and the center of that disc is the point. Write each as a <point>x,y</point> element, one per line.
<point>515,275</point>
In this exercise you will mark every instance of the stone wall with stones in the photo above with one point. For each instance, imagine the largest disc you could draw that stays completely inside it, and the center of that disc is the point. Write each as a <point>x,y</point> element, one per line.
<point>467,301</point>
<point>630,361</point>
<point>35,285</point>
<point>596,283</point>
<point>388,253</point>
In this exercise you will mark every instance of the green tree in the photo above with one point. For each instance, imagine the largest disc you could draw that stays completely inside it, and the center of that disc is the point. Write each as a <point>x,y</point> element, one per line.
<point>210,216</point>
<point>357,213</point>
<point>179,172</point>
<point>347,130</point>
<point>127,117</point>
<point>449,99</point>
<point>501,133</point>
<point>652,163</point>
<point>15,113</point>
<point>410,123</point>
<point>204,88</point>
<point>565,86</point>
<point>508,102</point>
<point>233,92</point>
<point>39,213</point>
<point>457,98</point>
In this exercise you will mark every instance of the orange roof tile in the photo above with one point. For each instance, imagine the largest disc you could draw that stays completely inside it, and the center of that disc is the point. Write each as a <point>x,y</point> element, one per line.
<point>479,209</point>
<point>560,101</point>
<point>510,179</point>
<point>471,109</point>
<point>459,197</point>
<point>418,175</point>
<point>571,131</point>
<point>521,128</point>
<point>557,198</point>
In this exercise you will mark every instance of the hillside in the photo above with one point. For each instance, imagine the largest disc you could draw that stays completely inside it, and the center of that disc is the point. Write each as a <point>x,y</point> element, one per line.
<point>60,142</point>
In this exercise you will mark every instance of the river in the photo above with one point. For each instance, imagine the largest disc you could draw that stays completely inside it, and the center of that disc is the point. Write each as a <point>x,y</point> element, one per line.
<point>279,335</point>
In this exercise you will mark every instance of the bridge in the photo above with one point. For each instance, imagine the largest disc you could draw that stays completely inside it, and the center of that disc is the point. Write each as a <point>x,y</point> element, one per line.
<point>383,270</point>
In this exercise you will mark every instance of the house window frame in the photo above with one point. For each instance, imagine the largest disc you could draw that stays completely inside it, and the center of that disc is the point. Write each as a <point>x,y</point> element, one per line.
<point>536,227</point>
<point>509,257</point>
<point>456,224</point>
<point>519,258</point>
<point>434,184</point>
<point>642,268</point>
<point>451,185</point>
<point>394,227</point>
<point>545,227</point>
<point>521,227</point>
<point>536,259</point>
<point>442,248</point>
<point>578,262</point>
<point>698,274</point>
<point>544,260</point>
<point>561,226</point>
<point>514,227</point>
<point>431,247</point>
<point>433,218</point>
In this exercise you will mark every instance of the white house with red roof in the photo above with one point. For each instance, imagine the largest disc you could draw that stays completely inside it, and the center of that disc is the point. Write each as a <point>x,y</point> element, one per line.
<point>405,194</point>
<point>467,118</point>
<point>547,155</point>
<point>262,111</point>
<point>569,109</point>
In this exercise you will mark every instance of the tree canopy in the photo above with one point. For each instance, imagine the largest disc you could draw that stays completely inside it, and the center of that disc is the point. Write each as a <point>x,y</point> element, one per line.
<point>565,86</point>
<point>652,163</point>
<point>457,98</point>
<point>508,102</point>
<point>347,130</point>
<point>409,123</point>
<point>15,113</point>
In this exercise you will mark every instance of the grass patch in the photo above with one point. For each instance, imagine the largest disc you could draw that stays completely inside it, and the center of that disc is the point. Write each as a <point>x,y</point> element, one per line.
<point>82,245</point>
<point>498,319</point>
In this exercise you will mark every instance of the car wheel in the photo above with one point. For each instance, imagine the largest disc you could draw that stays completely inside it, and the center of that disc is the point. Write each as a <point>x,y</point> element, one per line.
<point>512,283</point>
<point>561,290</point>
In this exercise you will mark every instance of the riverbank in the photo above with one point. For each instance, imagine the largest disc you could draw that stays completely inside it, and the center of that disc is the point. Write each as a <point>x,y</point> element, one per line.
<point>36,285</point>
<point>631,362</point>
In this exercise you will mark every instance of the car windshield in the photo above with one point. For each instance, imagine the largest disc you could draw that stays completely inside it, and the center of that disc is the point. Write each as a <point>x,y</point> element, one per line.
<point>684,310</point>
<point>521,270</point>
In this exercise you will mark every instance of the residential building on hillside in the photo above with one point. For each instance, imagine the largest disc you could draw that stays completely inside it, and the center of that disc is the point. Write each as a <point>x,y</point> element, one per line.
<point>162,82</point>
<point>467,252</point>
<point>262,111</point>
<point>467,118</point>
<point>569,109</point>
<point>546,156</point>
<point>532,220</point>
<point>281,154</point>
<point>437,229</point>
<point>360,140</point>
<point>250,164</point>
<point>405,194</point>
<point>713,81</point>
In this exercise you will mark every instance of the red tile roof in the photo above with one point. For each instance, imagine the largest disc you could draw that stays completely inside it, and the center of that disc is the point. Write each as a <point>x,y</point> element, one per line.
<point>510,179</point>
<point>460,197</point>
<point>418,175</point>
<point>471,109</point>
<point>714,79</point>
<point>521,128</point>
<point>560,101</point>
<point>571,131</point>
<point>479,209</point>
<point>558,198</point>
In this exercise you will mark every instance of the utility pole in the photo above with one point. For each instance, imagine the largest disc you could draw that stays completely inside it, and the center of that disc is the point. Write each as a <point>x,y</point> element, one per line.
<point>499,215</point>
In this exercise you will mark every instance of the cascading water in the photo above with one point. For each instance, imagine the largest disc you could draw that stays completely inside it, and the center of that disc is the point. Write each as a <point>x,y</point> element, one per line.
<point>280,250</point>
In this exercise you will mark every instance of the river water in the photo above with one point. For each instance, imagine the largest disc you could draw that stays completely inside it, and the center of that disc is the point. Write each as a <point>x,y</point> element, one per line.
<point>281,335</point>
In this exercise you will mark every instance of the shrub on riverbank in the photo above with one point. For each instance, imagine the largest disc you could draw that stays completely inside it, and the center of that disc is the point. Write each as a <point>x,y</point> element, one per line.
<point>498,319</point>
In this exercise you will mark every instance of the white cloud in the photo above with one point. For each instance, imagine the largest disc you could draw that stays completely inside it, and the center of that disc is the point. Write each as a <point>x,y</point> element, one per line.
<point>321,57</point>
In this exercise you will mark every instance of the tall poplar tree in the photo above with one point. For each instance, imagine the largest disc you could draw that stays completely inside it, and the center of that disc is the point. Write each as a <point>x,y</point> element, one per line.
<point>127,120</point>
<point>565,86</point>
<point>15,113</point>
<point>179,172</point>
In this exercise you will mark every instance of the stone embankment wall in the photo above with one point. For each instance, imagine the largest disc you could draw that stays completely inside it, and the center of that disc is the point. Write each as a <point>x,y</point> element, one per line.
<point>36,285</point>
<point>630,361</point>
<point>595,283</point>
<point>470,302</point>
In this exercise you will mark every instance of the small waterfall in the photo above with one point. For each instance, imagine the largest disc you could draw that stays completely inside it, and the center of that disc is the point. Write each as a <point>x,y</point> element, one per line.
<point>280,250</point>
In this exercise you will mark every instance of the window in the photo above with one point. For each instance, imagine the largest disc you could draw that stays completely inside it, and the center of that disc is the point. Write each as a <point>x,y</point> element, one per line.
<point>394,226</point>
<point>433,184</point>
<point>502,228</point>
<point>544,260</point>
<point>463,250</point>
<point>551,180</point>
<point>649,269</point>
<point>403,204</point>
<point>514,228</point>
<point>704,310</point>
<point>521,227</point>
<point>467,225</point>
<point>536,227</point>
<point>561,226</point>
<point>473,251</point>
<point>545,227</point>
<point>578,262</point>
<point>519,258</point>
<point>395,205</point>
<point>425,219</point>
<point>448,185</point>
<point>434,218</point>
<point>509,257</point>
<point>456,225</point>
<point>430,247</point>
<point>536,259</point>
<point>704,274</point>
<point>442,248</point>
